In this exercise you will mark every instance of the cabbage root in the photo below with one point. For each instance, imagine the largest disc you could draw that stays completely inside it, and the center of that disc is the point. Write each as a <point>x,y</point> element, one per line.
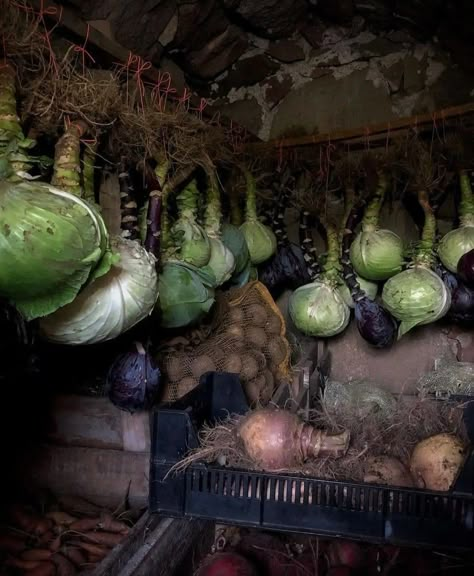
<point>67,168</point>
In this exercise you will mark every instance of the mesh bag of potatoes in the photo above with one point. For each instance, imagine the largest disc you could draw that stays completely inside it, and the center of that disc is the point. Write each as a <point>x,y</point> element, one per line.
<point>247,338</point>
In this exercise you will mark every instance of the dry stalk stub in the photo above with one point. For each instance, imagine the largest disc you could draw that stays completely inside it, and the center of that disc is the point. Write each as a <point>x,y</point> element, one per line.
<point>279,440</point>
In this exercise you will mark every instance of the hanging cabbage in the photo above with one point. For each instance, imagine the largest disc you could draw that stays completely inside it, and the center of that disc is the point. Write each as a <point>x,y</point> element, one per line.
<point>376,254</point>
<point>51,242</point>
<point>222,262</point>
<point>234,240</point>
<point>418,295</point>
<point>458,242</point>
<point>186,294</point>
<point>191,243</point>
<point>318,309</point>
<point>110,305</point>
<point>261,240</point>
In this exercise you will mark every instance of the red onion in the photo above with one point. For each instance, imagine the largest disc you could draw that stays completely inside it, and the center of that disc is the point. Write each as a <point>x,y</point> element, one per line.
<point>227,564</point>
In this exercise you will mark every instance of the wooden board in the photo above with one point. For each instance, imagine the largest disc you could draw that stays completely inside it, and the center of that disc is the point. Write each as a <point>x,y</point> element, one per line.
<point>159,547</point>
<point>97,423</point>
<point>103,476</point>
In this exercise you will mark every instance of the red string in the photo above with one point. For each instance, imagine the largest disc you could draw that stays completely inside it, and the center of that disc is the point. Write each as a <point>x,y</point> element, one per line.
<point>184,99</point>
<point>161,90</point>
<point>83,51</point>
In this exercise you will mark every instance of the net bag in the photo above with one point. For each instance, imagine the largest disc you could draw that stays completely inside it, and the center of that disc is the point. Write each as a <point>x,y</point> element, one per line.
<point>449,378</point>
<point>246,337</point>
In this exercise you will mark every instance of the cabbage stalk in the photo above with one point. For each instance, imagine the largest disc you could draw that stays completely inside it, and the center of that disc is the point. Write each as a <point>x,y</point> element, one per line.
<point>417,295</point>
<point>186,294</point>
<point>222,262</point>
<point>111,304</point>
<point>376,254</point>
<point>261,240</point>
<point>370,289</point>
<point>458,242</point>
<point>51,244</point>
<point>192,243</point>
<point>318,309</point>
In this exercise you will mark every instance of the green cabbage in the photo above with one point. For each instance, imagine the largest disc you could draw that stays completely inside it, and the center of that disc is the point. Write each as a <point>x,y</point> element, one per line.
<point>370,289</point>
<point>318,309</point>
<point>416,296</point>
<point>455,244</point>
<point>51,244</point>
<point>111,304</point>
<point>235,241</point>
<point>377,254</point>
<point>185,294</point>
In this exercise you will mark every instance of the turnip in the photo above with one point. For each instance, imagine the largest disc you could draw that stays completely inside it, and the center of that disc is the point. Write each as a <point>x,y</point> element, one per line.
<point>279,440</point>
<point>227,564</point>
<point>387,470</point>
<point>436,461</point>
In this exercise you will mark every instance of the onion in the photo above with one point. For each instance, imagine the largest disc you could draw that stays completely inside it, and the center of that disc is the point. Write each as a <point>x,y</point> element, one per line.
<point>436,462</point>
<point>279,440</point>
<point>387,470</point>
<point>227,564</point>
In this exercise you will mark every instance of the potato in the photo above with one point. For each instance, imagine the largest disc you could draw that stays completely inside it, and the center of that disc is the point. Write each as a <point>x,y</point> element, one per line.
<point>387,470</point>
<point>256,315</point>
<point>255,336</point>
<point>276,350</point>
<point>186,385</point>
<point>232,363</point>
<point>174,367</point>
<point>253,389</point>
<point>202,364</point>
<point>235,315</point>
<point>436,461</point>
<point>234,331</point>
<point>250,367</point>
<point>273,325</point>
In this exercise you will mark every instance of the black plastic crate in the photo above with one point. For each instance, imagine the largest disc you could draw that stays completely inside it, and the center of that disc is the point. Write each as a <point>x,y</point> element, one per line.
<point>294,503</point>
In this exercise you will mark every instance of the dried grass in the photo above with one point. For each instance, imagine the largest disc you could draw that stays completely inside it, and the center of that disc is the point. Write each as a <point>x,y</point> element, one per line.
<point>412,420</point>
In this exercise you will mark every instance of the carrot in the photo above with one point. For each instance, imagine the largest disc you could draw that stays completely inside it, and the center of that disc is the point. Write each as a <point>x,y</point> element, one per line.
<point>61,518</point>
<point>104,538</point>
<point>75,555</point>
<point>36,554</point>
<point>64,567</point>
<point>109,524</point>
<point>43,569</point>
<point>95,549</point>
<point>84,524</point>
<point>10,543</point>
<point>22,564</point>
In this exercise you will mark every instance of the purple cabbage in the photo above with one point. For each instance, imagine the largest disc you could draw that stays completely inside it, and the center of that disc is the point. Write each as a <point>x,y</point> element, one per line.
<point>462,297</point>
<point>466,268</point>
<point>133,380</point>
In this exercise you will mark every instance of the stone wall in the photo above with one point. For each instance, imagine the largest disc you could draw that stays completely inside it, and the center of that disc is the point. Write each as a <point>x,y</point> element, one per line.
<point>337,78</point>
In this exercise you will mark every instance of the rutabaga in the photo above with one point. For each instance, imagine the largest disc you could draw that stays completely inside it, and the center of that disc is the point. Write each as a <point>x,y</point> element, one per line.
<point>376,254</point>
<point>458,242</point>
<point>111,304</point>
<point>222,262</point>
<point>261,240</point>
<point>418,295</point>
<point>51,242</point>
<point>191,242</point>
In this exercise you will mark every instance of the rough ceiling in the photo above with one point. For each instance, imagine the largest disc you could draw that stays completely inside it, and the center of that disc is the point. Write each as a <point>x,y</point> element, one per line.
<point>205,37</point>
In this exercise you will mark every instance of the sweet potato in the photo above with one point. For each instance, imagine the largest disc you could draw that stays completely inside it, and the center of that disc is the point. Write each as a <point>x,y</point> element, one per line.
<point>84,524</point>
<point>95,549</point>
<point>12,543</point>
<point>75,555</point>
<point>109,524</point>
<point>108,539</point>
<point>64,567</point>
<point>45,539</point>
<point>55,544</point>
<point>94,559</point>
<point>21,564</point>
<point>61,518</point>
<point>38,554</point>
<point>43,569</point>
<point>27,521</point>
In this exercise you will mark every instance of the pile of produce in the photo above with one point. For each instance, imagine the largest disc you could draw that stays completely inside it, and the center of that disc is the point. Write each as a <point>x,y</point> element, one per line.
<point>360,433</point>
<point>57,539</point>
<point>246,337</point>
